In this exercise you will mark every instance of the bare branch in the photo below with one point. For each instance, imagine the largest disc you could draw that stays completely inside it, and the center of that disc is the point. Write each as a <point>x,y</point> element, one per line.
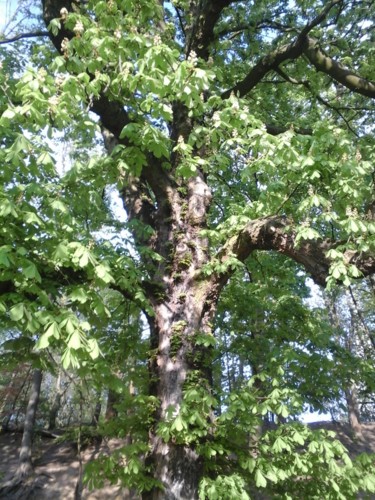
<point>306,84</point>
<point>319,19</point>
<point>263,24</point>
<point>180,21</point>
<point>34,34</point>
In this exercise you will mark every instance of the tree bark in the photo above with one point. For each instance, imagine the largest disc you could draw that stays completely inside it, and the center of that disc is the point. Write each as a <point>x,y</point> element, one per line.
<point>56,404</point>
<point>25,464</point>
<point>353,410</point>
<point>112,400</point>
<point>183,310</point>
<point>97,411</point>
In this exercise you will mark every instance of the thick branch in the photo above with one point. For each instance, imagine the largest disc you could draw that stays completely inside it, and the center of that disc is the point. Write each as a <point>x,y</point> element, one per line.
<point>337,71</point>
<point>112,115</point>
<point>51,10</point>
<point>274,233</point>
<point>284,53</point>
<point>266,64</point>
<point>277,130</point>
<point>202,32</point>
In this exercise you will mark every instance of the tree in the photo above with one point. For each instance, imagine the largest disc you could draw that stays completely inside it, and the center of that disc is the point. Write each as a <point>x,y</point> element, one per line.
<point>25,465</point>
<point>232,128</point>
<point>354,332</point>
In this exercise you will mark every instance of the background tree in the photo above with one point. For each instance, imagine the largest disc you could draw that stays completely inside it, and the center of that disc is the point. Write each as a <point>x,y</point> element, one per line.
<point>232,129</point>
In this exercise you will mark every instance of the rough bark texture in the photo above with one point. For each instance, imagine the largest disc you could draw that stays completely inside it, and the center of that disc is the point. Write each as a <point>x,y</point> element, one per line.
<point>276,233</point>
<point>97,411</point>
<point>112,400</point>
<point>336,70</point>
<point>183,308</point>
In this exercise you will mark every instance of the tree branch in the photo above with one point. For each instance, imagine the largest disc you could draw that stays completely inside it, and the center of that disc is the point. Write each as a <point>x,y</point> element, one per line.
<point>306,84</point>
<point>274,233</point>
<point>112,114</point>
<point>337,71</point>
<point>263,24</point>
<point>277,130</point>
<point>319,18</point>
<point>202,31</point>
<point>284,53</point>
<point>34,34</point>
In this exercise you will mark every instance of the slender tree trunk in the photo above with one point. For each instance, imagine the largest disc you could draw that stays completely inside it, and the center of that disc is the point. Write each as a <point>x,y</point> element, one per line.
<point>96,414</point>
<point>79,484</point>
<point>112,400</point>
<point>353,410</point>
<point>25,465</point>
<point>56,404</point>
<point>15,399</point>
<point>7,397</point>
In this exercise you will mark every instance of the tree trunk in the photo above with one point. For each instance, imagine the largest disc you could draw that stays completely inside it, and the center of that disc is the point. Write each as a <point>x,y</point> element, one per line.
<point>25,465</point>
<point>6,399</point>
<point>97,410</point>
<point>184,309</point>
<point>56,405</point>
<point>111,410</point>
<point>16,397</point>
<point>177,466</point>
<point>353,410</point>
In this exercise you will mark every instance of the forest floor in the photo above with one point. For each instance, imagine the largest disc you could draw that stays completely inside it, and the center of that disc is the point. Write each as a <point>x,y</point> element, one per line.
<point>57,465</point>
<point>56,469</point>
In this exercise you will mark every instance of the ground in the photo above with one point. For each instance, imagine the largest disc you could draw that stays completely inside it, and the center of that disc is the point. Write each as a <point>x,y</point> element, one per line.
<point>57,465</point>
<point>56,469</point>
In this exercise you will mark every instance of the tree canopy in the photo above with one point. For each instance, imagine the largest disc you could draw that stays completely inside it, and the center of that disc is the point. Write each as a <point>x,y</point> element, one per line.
<point>239,138</point>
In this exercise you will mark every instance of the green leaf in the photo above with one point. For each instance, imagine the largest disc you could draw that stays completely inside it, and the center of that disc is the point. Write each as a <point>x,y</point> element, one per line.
<point>260,480</point>
<point>75,340</point>
<point>102,273</point>
<point>32,218</point>
<point>4,259</point>
<point>61,252</point>
<point>31,272</point>
<point>66,358</point>
<point>93,348</point>
<point>52,330</point>
<point>79,295</point>
<point>17,312</point>
<point>178,424</point>
<point>9,114</point>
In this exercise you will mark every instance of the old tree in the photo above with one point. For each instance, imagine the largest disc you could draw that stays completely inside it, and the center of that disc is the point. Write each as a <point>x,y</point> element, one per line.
<point>239,136</point>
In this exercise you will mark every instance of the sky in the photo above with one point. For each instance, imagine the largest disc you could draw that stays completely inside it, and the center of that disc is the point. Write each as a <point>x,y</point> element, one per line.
<point>7,8</point>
